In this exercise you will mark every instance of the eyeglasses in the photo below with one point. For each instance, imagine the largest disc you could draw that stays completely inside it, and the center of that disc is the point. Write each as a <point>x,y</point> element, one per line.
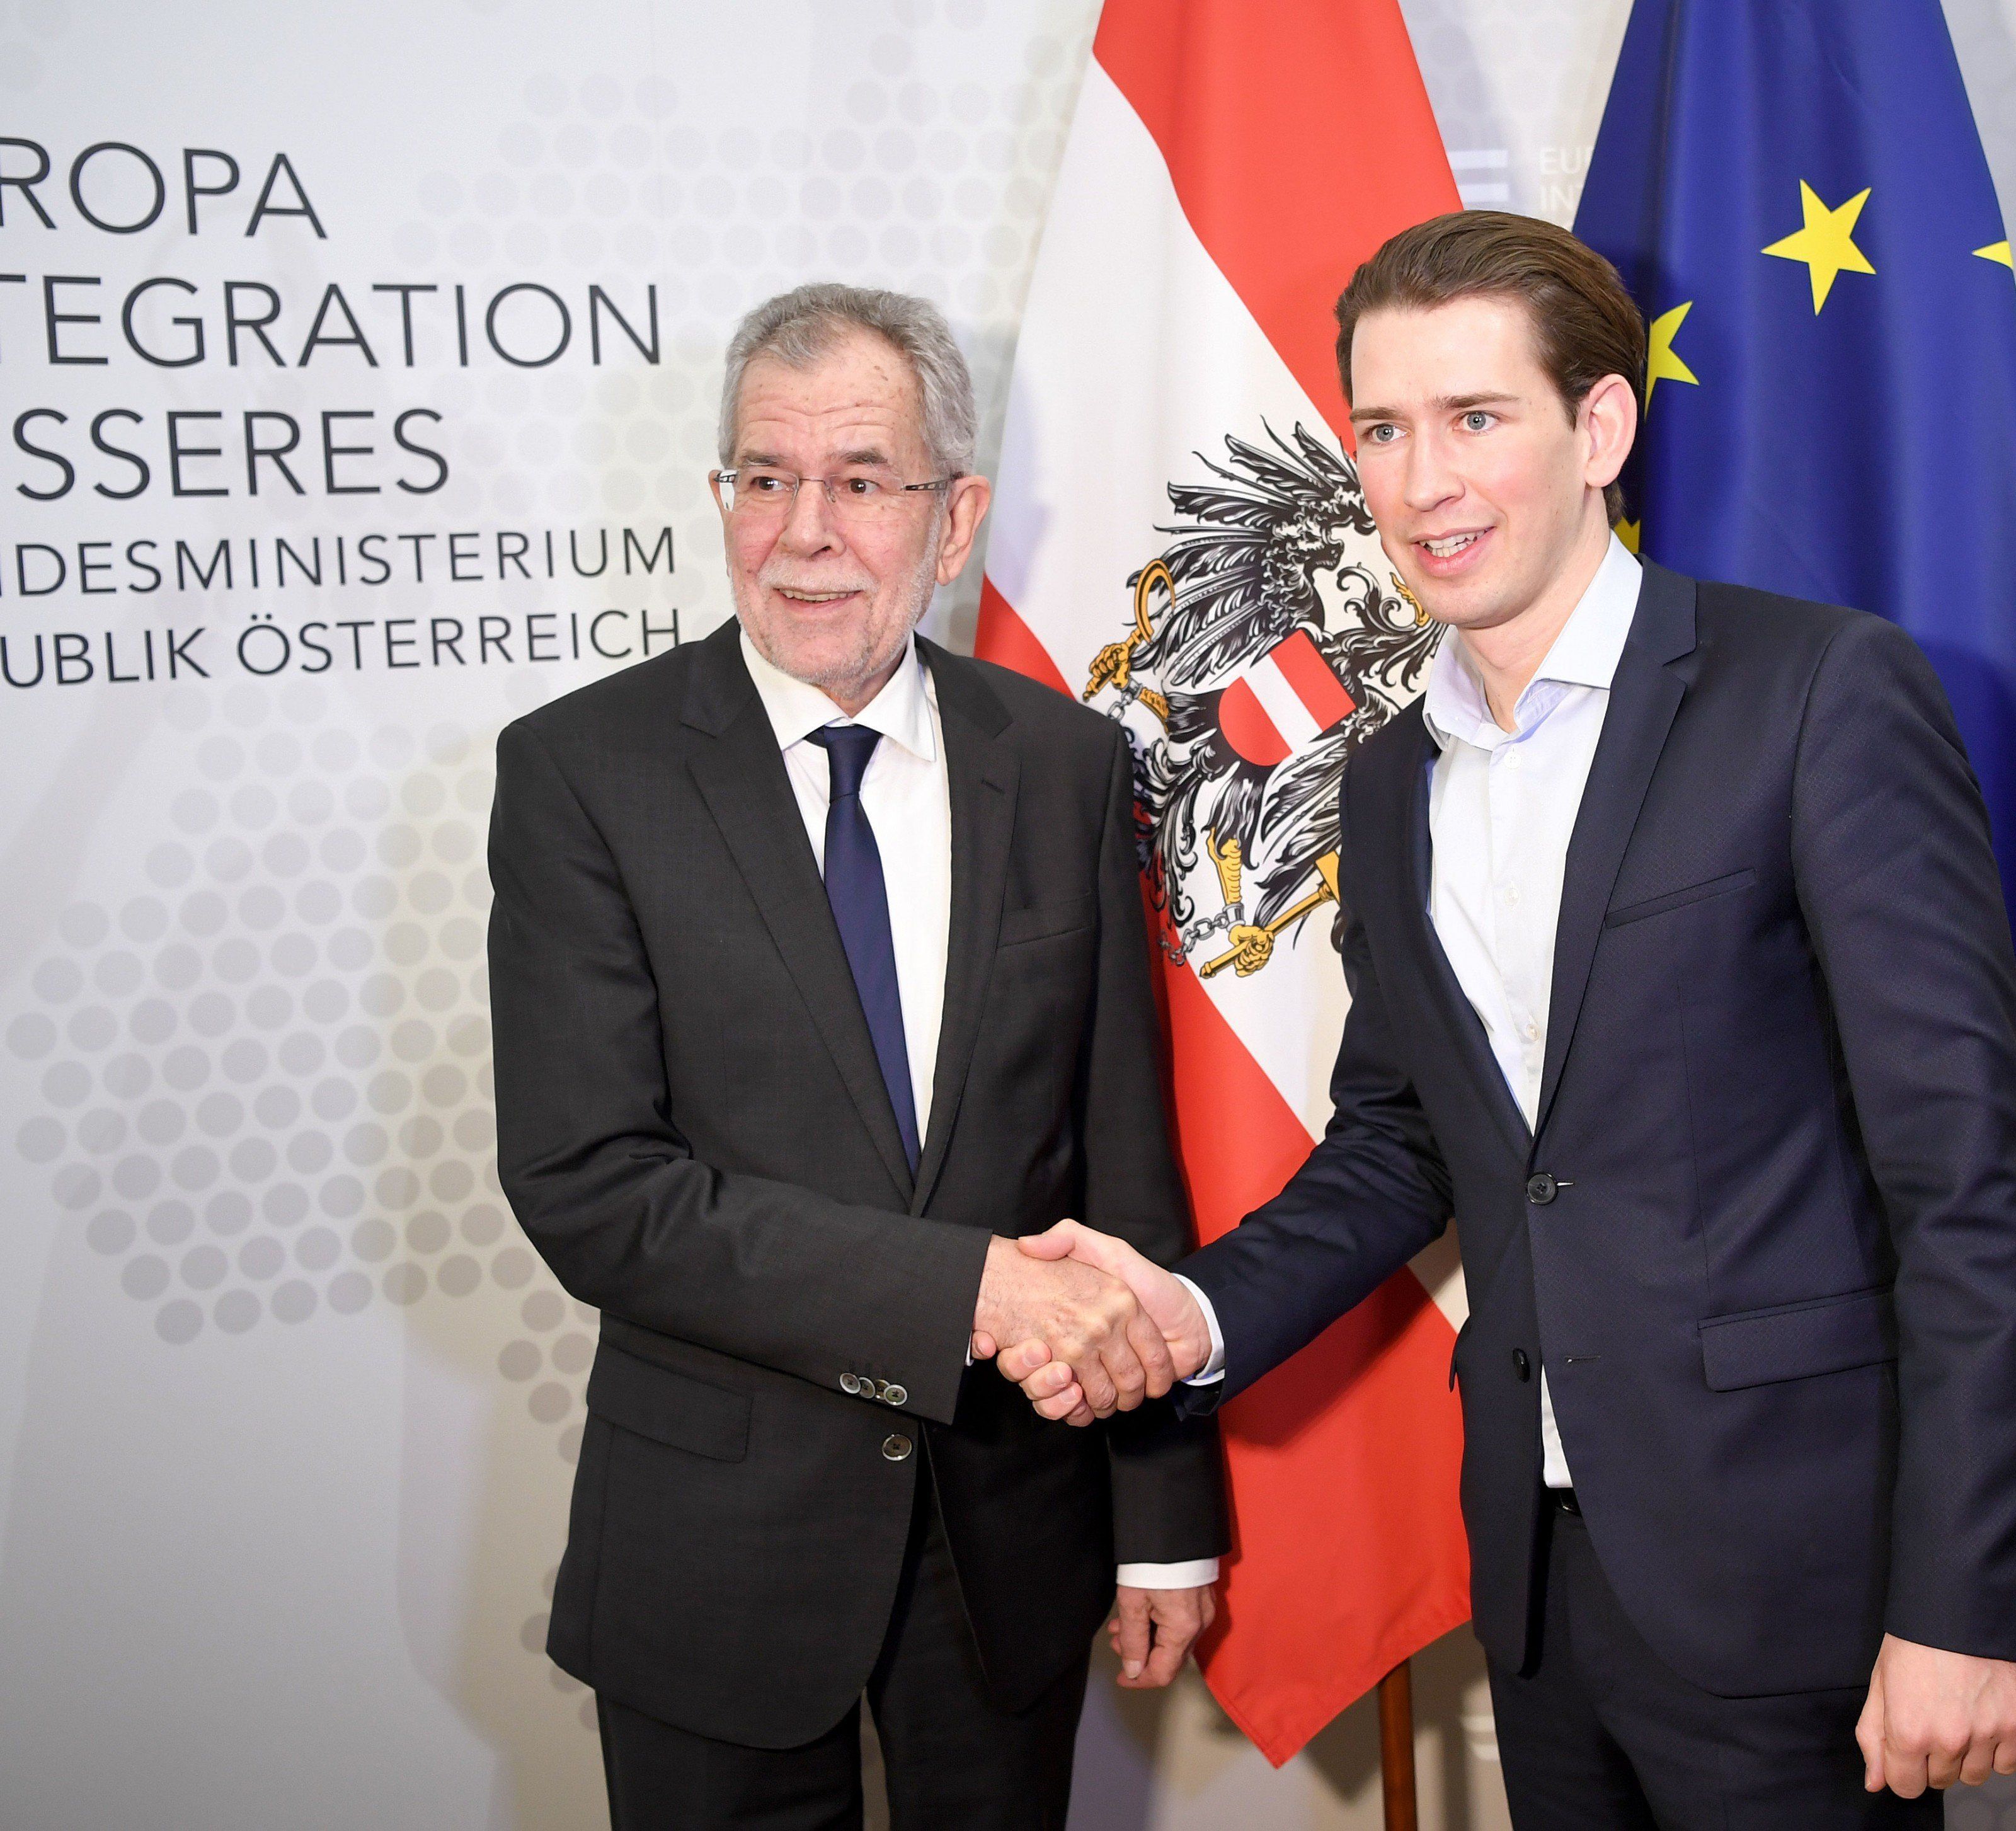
<point>863,492</point>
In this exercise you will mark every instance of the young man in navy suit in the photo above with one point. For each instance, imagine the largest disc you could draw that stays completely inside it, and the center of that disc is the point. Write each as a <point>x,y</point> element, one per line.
<point>1680,975</point>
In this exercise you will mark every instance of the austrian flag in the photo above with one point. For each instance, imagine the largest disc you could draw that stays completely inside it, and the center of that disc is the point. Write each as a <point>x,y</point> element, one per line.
<point>1180,541</point>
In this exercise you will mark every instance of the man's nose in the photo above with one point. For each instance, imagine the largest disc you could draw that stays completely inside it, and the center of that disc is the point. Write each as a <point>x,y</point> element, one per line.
<point>1430,480</point>
<point>809,527</point>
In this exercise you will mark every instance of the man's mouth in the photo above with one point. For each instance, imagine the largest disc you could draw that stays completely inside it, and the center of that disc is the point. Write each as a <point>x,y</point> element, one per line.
<point>798,596</point>
<point>1449,555</point>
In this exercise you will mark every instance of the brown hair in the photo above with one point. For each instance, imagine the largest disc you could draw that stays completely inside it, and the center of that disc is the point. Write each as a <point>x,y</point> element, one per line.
<point>1585,325</point>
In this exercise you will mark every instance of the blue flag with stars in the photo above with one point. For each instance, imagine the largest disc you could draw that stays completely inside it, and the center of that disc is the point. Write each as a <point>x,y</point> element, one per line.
<point>1796,196</point>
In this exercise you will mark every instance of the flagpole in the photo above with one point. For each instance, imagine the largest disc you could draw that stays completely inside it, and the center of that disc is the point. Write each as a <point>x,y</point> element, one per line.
<point>1396,1747</point>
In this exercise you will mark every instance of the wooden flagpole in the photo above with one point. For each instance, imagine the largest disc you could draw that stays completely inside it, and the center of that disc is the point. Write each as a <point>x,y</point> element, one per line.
<point>1396,1747</point>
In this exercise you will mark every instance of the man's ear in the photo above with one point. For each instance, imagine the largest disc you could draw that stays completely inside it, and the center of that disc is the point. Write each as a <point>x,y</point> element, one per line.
<point>967,499</point>
<point>1608,419</point>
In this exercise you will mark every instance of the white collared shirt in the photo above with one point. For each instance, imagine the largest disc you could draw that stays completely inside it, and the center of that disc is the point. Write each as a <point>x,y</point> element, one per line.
<point>1502,807</point>
<point>906,794</point>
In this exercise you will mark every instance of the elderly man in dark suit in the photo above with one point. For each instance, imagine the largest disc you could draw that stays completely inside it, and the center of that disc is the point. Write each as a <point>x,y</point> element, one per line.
<point>819,973</point>
<point>1680,974</point>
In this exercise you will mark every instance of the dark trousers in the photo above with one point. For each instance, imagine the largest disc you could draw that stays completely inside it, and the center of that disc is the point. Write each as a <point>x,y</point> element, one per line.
<point>1603,1734</point>
<point>952,1756</point>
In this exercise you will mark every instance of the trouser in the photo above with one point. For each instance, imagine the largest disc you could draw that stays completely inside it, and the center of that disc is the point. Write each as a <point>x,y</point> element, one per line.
<point>1601,1733</point>
<point>952,1756</point>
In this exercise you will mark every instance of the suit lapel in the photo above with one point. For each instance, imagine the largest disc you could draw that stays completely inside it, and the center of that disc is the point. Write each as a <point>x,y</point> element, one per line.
<point>740,773</point>
<point>982,773</point>
<point>1644,696</point>
<point>1466,1028</point>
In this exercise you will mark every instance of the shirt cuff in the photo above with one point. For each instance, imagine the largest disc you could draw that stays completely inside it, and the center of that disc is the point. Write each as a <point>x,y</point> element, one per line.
<point>1194,1573</point>
<point>1213,1369</point>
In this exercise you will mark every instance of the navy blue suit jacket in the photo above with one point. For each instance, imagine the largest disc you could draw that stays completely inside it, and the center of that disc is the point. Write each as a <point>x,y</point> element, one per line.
<point>1764,1236</point>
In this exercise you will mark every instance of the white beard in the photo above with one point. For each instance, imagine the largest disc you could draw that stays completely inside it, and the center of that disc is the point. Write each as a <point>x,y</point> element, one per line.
<point>843,677</point>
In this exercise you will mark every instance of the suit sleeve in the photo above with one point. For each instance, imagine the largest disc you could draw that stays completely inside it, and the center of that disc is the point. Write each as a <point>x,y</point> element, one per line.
<point>1899,890</point>
<point>1370,1196</point>
<point>1169,1495</point>
<point>601,1179</point>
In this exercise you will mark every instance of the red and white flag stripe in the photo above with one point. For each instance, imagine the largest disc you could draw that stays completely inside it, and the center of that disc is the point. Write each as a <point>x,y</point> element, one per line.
<point>1227,168</point>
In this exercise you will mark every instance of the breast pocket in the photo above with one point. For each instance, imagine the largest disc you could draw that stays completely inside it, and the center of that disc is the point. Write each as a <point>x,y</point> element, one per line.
<point>1043,921</point>
<point>1681,899</point>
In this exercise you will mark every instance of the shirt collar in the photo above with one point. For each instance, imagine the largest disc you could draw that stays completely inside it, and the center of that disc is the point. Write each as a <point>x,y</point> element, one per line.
<point>901,712</point>
<point>1584,653</point>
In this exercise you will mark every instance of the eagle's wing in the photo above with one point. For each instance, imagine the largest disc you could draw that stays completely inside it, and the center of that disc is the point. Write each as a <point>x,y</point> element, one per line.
<point>1231,604</point>
<point>1297,822</point>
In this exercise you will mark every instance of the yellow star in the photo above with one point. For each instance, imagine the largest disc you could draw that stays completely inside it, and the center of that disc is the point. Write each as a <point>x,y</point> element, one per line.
<point>1997,251</point>
<point>1660,363</point>
<point>1826,243</point>
<point>1631,532</point>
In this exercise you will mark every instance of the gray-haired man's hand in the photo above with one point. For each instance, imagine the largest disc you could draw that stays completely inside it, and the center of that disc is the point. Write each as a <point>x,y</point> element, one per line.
<point>1051,1379</point>
<point>1089,1324</point>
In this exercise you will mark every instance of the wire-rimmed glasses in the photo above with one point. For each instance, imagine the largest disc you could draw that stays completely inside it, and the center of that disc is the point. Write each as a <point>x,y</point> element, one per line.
<point>860,492</point>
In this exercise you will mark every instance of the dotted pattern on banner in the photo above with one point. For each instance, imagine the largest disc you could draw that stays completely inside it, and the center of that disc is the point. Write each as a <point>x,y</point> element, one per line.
<point>933,189</point>
<point>267,1076</point>
<point>265,1070</point>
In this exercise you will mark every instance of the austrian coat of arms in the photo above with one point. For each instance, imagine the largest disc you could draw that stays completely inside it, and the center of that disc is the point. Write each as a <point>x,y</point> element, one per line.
<point>1264,652</point>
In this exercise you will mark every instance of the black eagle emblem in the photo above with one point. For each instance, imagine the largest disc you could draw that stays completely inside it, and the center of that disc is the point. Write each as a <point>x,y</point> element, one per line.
<point>1263,652</point>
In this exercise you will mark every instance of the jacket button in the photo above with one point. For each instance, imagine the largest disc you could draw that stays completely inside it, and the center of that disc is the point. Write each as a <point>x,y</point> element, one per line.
<point>1521,1365</point>
<point>875,1388</point>
<point>1541,1189</point>
<point>850,1383</point>
<point>896,1394</point>
<point>896,1447</point>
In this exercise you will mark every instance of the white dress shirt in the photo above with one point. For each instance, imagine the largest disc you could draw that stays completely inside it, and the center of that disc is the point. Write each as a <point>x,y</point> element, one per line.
<point>907,795</point>
<point>1502,806</point>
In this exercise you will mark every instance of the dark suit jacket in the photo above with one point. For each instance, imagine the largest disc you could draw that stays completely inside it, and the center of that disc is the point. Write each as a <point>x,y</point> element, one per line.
<point>693,1129</point>
<point>1765,1237</point>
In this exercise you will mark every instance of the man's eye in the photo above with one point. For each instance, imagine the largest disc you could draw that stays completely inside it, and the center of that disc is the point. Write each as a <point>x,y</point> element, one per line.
<point>1477,420</point>
<point>861,488</point>
<point>763,483</point>
<point>1381,435</point>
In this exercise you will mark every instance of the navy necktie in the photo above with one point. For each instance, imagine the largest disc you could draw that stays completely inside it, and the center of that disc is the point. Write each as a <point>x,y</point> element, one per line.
<point>860,899</point>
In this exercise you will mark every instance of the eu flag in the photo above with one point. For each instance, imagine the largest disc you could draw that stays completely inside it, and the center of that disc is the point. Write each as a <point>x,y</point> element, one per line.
<point>1796,196</point>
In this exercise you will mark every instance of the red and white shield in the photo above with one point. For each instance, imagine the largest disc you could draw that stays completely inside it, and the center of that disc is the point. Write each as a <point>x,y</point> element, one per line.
<point>1289,698</point>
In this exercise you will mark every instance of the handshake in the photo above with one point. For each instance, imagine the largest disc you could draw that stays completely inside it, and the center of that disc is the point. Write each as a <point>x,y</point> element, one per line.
<point>1084,1325</point>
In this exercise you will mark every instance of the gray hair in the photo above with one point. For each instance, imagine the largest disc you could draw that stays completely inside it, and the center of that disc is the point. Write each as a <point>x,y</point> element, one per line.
<point>799,326</point>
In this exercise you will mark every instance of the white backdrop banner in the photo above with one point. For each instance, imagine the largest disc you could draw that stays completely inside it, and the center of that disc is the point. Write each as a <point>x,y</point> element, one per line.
<point>358,369</point>
<point>358,372</point>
